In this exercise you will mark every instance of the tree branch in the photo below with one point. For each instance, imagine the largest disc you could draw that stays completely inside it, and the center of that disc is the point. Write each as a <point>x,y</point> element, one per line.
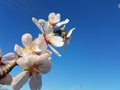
<point>9,67</point>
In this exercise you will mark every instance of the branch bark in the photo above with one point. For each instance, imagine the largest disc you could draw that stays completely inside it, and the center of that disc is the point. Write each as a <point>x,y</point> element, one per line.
<point>8,68</point>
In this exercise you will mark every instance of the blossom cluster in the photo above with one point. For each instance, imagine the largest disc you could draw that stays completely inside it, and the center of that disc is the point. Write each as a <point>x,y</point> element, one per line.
<point>35,57</point>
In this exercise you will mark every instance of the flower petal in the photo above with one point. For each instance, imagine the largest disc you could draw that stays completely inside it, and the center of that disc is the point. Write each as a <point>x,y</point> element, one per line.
<point>57,41</point>
<point>41,58</point>
<point>20,80</point>
<point>70,32</point>
<point>38,23</point>
<point>26,62</point>
<point>27,40</point>
<point>51,16</point>
<point>6,80</point>
<point>18,49</point>
<point>62,22</point>
<point>54,50</point>
<point>57,18</point>
<point>35,82</point>
<point>40,43</point>
<point>54,18</point>
<point>8,57</point>
<point>45,66</point>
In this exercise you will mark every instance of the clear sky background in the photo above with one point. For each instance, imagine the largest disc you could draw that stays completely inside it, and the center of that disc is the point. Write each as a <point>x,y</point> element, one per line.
<point>91,61</point>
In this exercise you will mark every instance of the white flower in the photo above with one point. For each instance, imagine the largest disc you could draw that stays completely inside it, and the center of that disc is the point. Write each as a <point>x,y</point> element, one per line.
<point>27,42</point>
<point>33,65</point>
<point>43,25</point>
<point>54,18</point>
<point>47,27</point>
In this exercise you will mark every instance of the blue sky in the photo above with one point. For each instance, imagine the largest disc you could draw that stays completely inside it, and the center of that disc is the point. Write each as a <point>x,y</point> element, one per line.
<point>91,61</point>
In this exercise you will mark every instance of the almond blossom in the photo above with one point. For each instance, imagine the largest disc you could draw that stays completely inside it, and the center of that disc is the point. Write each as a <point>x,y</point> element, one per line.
<point>53,22</point>
<point>34,63</point>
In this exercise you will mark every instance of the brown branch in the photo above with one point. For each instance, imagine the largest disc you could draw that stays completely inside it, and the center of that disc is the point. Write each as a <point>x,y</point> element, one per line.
<point>8,68</point>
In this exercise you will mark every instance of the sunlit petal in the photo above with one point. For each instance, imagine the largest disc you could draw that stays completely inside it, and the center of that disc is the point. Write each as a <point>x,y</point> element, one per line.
<point>27,40</point>
<point>56,41</point>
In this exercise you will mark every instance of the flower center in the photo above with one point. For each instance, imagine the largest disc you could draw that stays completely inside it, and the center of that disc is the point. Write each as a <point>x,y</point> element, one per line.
<point>33,70</point>
<point>28,50</point>
<point>52,24</point>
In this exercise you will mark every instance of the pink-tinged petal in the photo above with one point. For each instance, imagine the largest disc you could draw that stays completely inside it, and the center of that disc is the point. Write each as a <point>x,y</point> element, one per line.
<point>20,80</point>
<point>8,57</point>
<point>35,82</point>
<point>6,80</point>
